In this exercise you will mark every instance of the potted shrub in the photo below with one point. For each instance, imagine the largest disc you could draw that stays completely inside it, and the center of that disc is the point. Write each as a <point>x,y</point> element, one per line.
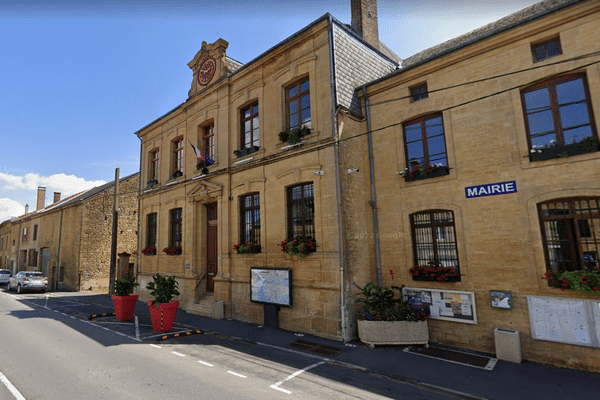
<point>299,245</point>
<point>389,319</point>
<point>246,248</point>
<point>163,308</point>
<point>123,300</point>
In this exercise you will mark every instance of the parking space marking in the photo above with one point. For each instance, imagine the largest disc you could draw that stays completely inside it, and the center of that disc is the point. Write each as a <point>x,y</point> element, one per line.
<point>292,376</point>
<point>11,387</point>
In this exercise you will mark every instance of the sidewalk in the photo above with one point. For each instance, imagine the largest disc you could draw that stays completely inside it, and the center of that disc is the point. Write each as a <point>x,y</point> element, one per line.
<point>505,381</point>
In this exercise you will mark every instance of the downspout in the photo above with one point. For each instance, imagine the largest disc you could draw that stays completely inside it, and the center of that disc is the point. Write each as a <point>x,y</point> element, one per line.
<point>19,238</point>
<point>373,201</point>
<point>334,112</point>
<point>57,270</point>
<point>137,253</point>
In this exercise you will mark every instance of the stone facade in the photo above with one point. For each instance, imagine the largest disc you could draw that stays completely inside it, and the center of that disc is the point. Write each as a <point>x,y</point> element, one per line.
<point>75,235</point>
<point>476,84</point>
<point>318,281</point>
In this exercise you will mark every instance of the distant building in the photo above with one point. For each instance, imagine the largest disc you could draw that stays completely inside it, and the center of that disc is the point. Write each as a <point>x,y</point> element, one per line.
<point>69,241</point>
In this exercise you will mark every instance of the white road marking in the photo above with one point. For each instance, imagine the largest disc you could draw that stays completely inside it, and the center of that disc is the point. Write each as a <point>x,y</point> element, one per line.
<point>157,346</point>
<point>137,328</point>
<point>178,354</point>
<point>205,363</point>
<point>292,376</point>
<point>236,374</point>
<point>11,387</point>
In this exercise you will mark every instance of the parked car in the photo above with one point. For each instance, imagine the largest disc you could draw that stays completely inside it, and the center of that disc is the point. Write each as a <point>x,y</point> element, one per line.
<point>28,281</point>
<point>4,276</point>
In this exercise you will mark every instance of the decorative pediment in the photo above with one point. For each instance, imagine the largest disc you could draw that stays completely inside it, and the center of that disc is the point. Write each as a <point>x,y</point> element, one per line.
<point>205,190</point>
<point>209,65</point>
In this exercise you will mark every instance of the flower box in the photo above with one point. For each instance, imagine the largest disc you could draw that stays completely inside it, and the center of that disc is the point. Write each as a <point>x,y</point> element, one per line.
<point>172,251</point>
<point>299,245</point>
<point>589,145</point>
<point>149,251</point>
<point>393,332</point>
<point>245,151</point>
<point>176,174</point>
<point>293,136</point>
<point>152,183</point>
<point>163,316</point>
<point>247,248</point>
<point>434,273</point>
<point>124,306</point>
<point>431,172</point>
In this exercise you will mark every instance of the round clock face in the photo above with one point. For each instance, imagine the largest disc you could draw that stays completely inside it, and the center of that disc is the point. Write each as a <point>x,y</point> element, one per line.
<point>207,71</point>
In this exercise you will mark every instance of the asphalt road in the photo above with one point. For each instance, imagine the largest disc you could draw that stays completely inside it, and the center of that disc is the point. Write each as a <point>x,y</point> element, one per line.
<point>49,354</point>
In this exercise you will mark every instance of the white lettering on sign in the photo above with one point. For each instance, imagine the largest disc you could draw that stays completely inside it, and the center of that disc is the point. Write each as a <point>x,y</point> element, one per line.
<point>491,189</point>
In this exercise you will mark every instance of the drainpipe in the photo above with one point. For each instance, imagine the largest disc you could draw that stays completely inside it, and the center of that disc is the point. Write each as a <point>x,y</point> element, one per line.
<point>334,112</point>
<point>137,253</point>
<point>57,270</point>
<point>373,201</point>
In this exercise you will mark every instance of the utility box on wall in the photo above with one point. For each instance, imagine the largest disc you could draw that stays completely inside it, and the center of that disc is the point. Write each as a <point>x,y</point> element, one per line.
<point>508,345</point>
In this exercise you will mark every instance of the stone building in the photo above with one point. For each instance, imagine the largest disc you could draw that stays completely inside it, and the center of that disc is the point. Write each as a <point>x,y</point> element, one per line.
<point>270,126</point>
<point>75,234</point>
<point>486,161</point>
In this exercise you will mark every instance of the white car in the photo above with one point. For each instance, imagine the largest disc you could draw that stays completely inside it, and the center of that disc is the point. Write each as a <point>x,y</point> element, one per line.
<point>28,281</point>
<point>4,276</point>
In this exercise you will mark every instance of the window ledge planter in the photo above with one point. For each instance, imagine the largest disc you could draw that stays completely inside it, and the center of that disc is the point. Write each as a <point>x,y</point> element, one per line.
<point>172,251</point>
<point>588,145</point>
<point>418,173</point>
<point>149,251</point>
<point>247,248</point>
<point>393,332</point>
<point>293,136</point>
<point>431,273</point>
<point>245,151</point>
<point>300,246</point>
<point>151,183</point>
<point>176,174</point>
<point>584,281</point>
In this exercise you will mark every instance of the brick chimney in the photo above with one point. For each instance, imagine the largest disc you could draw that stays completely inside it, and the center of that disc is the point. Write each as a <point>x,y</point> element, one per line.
<point>56,197</point>
<point>364,20</point>
<point>41,198</point>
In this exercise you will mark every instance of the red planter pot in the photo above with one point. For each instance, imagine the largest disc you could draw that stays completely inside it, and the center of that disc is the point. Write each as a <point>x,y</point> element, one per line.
<point>124,306</point>
<point>163,317</point>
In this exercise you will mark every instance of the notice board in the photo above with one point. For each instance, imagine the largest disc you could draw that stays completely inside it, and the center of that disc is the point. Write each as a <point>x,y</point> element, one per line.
<point>557,319</point>
<point>271,286</point>
<point>448,305</point>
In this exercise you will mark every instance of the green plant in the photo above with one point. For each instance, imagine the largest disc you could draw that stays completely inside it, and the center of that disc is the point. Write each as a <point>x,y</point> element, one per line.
<point>381,304</point>
<point>244,248</point>
<point>299,246</point>
<point>123,287</point>
<point>163,289</point>
<point>584,281</point>
<point>434,272</point>
<point>172,250</point>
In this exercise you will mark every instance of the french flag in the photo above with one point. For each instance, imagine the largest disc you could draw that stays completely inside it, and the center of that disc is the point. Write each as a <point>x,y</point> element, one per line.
<point>199,155</point>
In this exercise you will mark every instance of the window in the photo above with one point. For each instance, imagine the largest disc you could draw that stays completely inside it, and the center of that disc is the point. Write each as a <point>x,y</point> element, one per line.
<point>35,229</point>
<point>558,113</point>
<point>24,237</point>
<point>153,173</point>
<point>434,238</point>
<point>546,49</point>
<point>425,143</point>
<point>175,227</point>
<point>208,140</point>
<point>177,157</point>
<point>419,92</point>
<point>297,101</point>
<point>250,219</point>
<point>570,233</point>
<point>250,126</point>
<point>301,210</point>
<point>151,230</point>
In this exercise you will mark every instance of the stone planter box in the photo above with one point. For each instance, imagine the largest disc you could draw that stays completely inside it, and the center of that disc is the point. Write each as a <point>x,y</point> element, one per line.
<point>393,332</point>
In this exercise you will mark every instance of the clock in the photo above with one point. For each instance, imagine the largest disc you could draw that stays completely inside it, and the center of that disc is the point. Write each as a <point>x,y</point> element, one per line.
<point>207,71</point>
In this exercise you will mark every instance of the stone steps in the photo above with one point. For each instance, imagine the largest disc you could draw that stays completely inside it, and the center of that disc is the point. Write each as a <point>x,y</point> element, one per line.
<point>207,307</point>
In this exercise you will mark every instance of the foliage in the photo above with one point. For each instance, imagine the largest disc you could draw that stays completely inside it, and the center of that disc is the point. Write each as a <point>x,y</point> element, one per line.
<point>381,304</point>
<point>149,250</point>
<point>172,251</point>
<point>243,248</point>
<point>434,272</point>
<point>299,246</point>
<point>124,287</point>
<point>163,289</point>
<point>583,281</point>
<point>293,136</point>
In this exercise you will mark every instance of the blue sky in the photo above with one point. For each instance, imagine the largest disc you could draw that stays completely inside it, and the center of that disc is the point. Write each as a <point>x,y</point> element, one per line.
<point>78,79</point>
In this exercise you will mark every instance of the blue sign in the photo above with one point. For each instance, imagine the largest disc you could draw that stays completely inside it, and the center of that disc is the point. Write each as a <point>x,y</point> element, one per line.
<point>491,189</point>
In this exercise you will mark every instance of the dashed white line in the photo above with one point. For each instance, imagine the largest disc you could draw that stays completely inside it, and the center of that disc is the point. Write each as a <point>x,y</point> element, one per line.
<point>295,374</point>
<point>137,328</point>
<point>205,363</point>
<point>178,354</point>
<point>157,346</point>
<point>11,387</point>
<point>236,374</point>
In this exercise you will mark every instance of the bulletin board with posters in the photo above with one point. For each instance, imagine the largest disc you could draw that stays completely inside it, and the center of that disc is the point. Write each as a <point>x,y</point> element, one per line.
<point>448,305</point>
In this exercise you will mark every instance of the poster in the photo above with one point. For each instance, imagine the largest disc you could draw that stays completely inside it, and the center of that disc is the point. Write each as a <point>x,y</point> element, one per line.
<point>449,305</point>
<point>271,285</point>
<point>563,320</point>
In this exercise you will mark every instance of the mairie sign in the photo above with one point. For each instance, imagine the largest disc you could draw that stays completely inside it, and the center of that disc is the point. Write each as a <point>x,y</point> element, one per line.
<point>491,189</point>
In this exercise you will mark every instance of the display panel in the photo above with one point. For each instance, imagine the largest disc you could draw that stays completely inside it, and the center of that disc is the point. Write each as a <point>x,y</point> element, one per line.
<point>271,286</point>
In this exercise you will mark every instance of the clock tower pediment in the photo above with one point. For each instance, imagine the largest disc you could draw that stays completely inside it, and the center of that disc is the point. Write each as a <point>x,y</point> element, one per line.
<point>209,65</point>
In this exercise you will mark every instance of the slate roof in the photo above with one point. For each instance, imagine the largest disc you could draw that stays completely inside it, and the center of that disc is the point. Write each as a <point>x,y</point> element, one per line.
<point>535,11</point>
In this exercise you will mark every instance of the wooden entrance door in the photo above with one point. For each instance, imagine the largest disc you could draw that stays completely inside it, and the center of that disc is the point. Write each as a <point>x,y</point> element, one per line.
<point>211,246</point>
